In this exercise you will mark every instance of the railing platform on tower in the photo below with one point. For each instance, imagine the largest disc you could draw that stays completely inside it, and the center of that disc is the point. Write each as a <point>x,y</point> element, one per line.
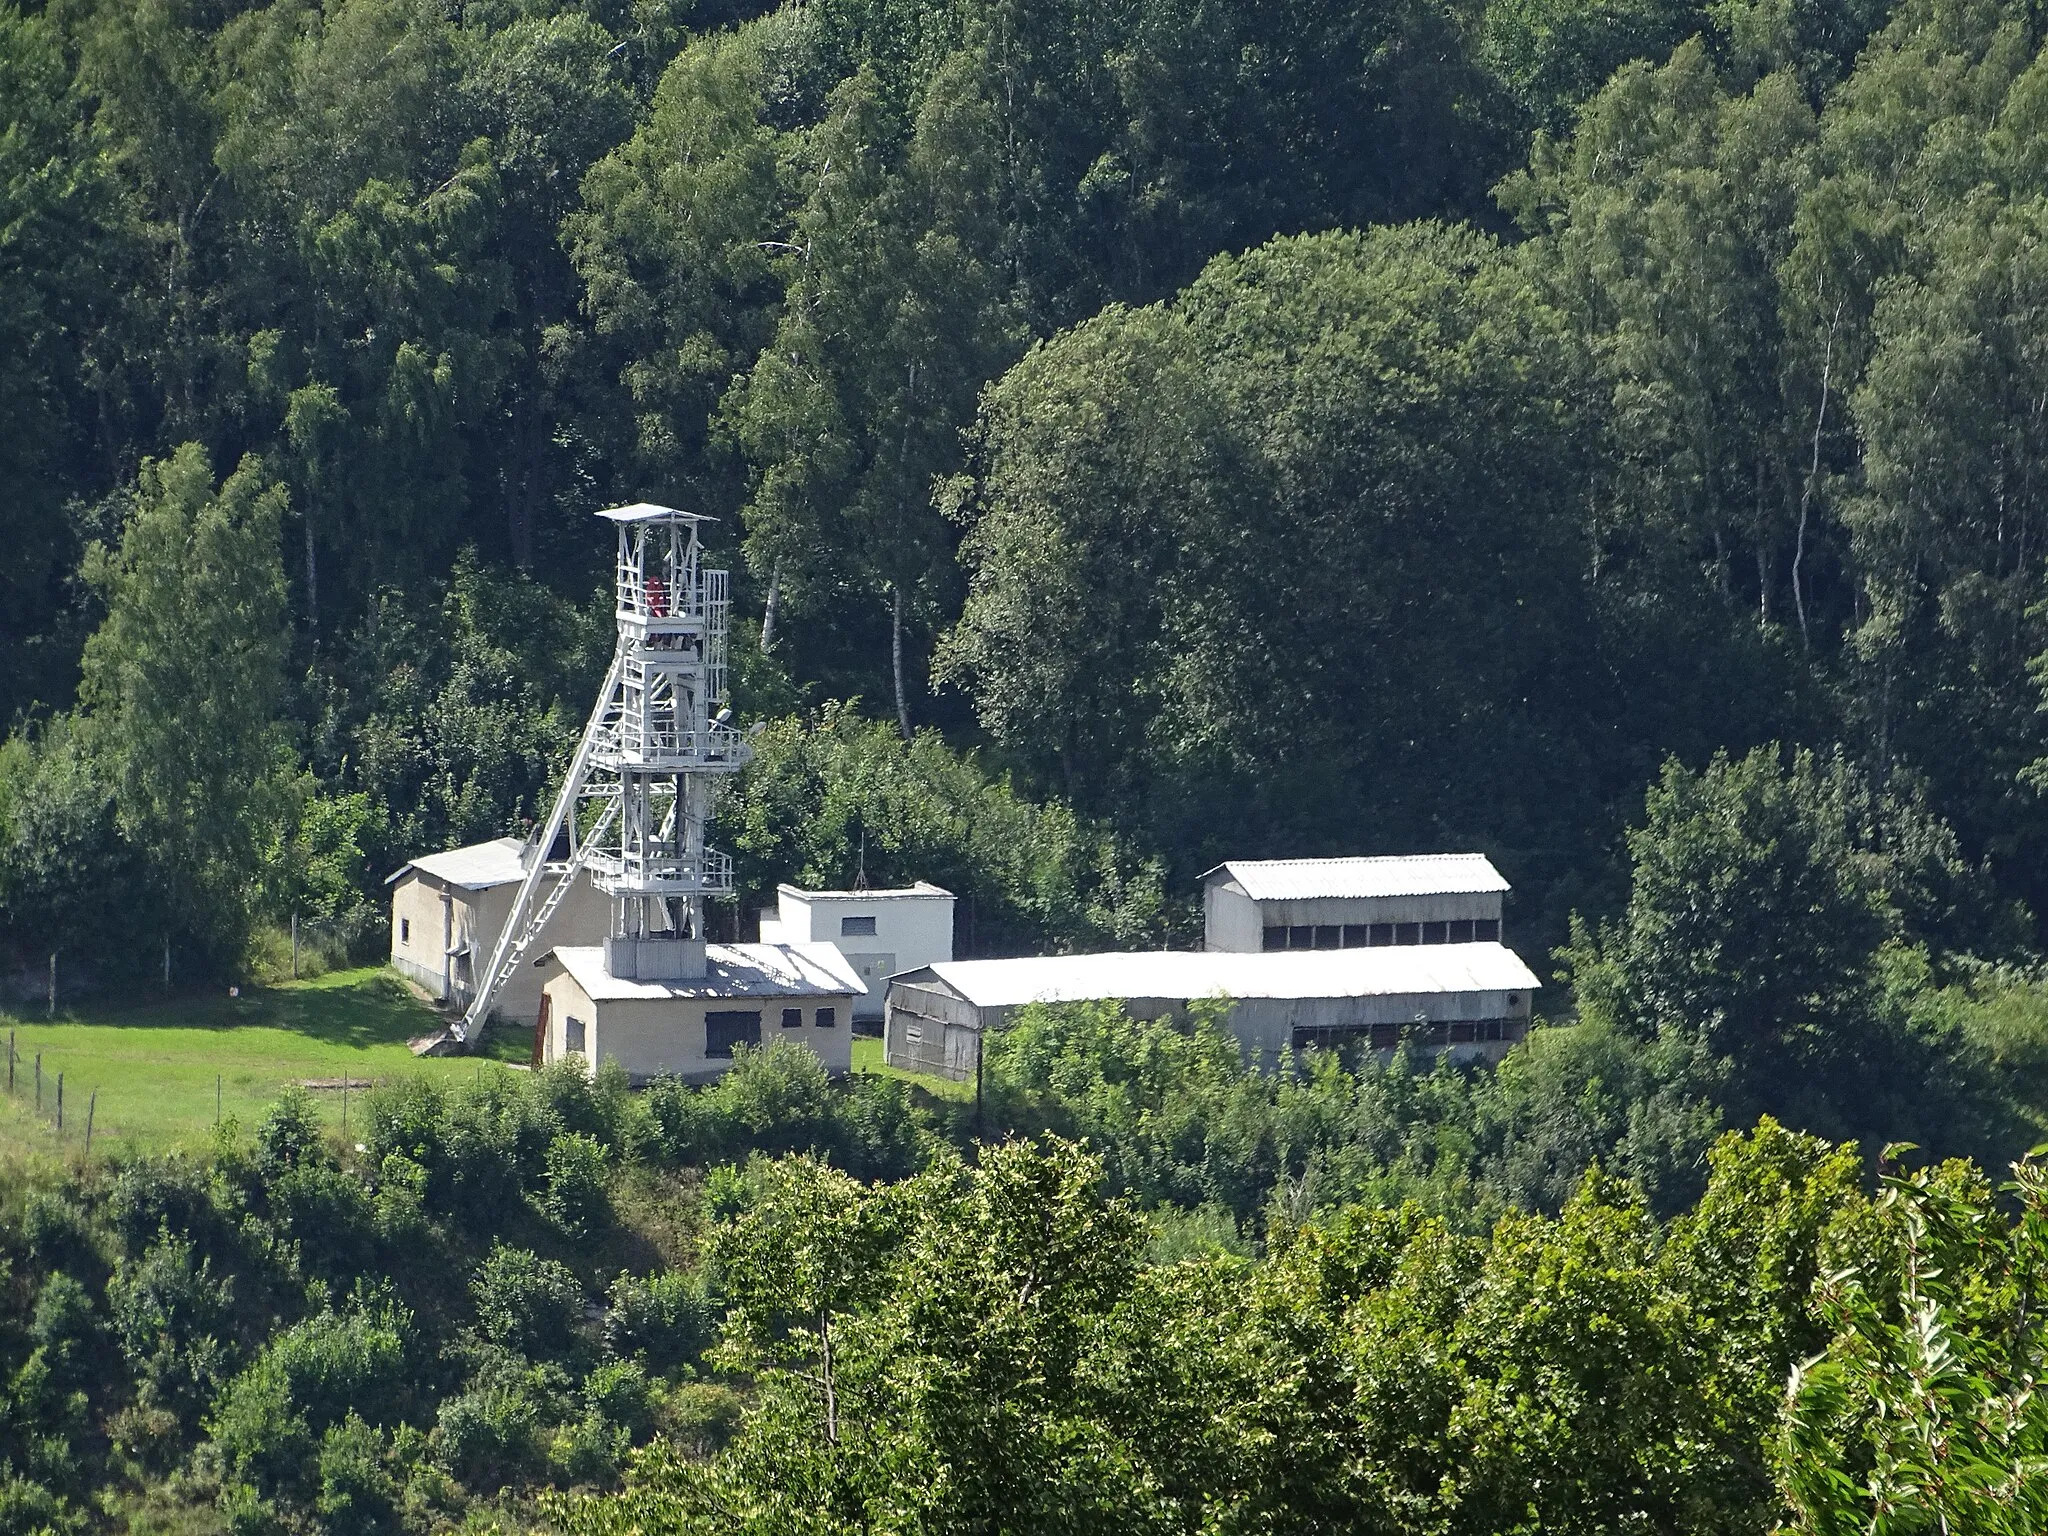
<point>636,799</point>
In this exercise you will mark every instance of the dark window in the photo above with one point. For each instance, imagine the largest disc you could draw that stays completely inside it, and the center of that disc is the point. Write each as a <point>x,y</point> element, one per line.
<point>827,1019</point>
<point>1436,933</point>
<point>573,1036</point>
<point>1461,1030</point>
<point>725,1029</point>
<point>1490,1029</point>
<point>1487,930</point>
<point>1354,935</point>
<point>792,1018</point>
<point>856,927</point>
<point>1300,938</point>
<point>1382,933</point>
<point>1327,938</point>
<point>405,930</point>
<point>1407,933</point>
<point>1276,938</point>
<point>1461,933</point>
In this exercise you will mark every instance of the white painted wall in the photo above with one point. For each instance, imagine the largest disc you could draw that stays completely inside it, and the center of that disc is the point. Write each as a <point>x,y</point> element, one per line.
<point>912,927</point>
<point>651,1038</point>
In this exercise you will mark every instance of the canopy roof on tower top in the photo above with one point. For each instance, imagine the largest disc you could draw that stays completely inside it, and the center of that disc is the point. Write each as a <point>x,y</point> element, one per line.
<point>647,512</point>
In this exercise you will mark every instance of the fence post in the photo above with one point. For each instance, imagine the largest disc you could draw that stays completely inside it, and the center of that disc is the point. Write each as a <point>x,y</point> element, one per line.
<point>53,984</point>
<point>60,1104</point>
<point>216,1101</point>
<point>91,1105</point>
<point>10,1062</point>
<point>167,960</point>
<point>295,946</point>
<point>39,1082</point>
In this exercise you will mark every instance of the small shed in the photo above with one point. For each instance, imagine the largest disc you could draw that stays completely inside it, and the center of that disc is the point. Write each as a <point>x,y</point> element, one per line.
<point>880,932</point>
<point>1471,999</point>
<point>447,910</point>
<point>687,1027</point>
<point>1431,898</point>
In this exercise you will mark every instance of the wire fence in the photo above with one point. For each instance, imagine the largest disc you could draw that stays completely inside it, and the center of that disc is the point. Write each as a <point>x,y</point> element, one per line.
<point>26,1080</point>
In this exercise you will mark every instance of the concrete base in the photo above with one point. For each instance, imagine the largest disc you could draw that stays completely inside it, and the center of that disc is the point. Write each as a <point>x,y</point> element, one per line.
<point>654,959</point>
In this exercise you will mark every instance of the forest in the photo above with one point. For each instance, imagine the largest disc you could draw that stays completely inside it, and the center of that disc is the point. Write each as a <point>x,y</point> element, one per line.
<point>1604,434</point>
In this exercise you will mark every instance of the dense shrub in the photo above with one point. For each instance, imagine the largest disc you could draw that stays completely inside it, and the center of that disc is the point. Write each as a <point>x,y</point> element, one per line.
<point>270,1422</point>
<point>525,1302</point>
<point>174,1318</point>
<point>664,1321</point>
<point>574,1194</point>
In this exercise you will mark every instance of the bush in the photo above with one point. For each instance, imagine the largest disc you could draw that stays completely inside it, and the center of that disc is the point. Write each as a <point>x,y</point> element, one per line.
<point>357,1495</point>
<point>574,1197</point>
<point>311,1377</point>
<point>702,1416</point>
<point>288,1135</point>
<point>620,1393</point>
<point>664,1321</point>
<point>487,1436</point>
<point>525,1302</point>
<point>174,1321</point>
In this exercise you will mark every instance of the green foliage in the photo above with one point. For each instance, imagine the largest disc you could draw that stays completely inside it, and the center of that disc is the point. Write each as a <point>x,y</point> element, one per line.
<point>1921,1413</point>
<point>830,797</point>
<point>665,1320</point>
<point>526,1303</point>
<point>1770,909</point>
<point>332,1371</point>
<point>574,1195</point>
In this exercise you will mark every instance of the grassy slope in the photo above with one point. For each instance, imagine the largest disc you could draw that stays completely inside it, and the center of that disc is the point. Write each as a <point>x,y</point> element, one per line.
<point>155,1066</point>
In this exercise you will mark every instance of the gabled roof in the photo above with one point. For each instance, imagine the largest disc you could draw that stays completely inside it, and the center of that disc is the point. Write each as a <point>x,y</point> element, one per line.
<point>1394,971</point>
<point>1419,874</point>
<point>478,867</point>
<point>731,970</point>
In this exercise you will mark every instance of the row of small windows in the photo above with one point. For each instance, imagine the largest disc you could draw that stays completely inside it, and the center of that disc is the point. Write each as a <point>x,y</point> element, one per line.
<point>1384,1037</point>
<point>723,1029</point>
<point>1480,930</point>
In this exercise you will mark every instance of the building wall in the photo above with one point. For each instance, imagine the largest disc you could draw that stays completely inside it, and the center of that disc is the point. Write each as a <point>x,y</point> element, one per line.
<point>910,931</point>
<point>419,932</point>
<point>651,1038</point>
<point>1236,923</point>
<point>472,921</point>
<point>1230,919</point>
<point>931,1030</point>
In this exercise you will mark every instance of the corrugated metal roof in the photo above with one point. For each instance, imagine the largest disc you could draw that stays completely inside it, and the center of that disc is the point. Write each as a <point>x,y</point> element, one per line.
<point>1421,874</point>
<point>475,868</point>
<point>1394,971</point>
<point>731,970</point>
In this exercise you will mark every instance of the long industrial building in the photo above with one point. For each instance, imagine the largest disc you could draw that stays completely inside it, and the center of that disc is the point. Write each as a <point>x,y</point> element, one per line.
<point>1472,999</point>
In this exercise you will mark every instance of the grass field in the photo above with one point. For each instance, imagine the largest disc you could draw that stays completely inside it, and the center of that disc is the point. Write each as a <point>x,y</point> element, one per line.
<point>157,1067</point>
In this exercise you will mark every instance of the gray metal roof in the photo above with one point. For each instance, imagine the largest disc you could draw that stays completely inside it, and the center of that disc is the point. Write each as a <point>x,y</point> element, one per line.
<point>731,970</point>
<point>648,512</point>
<point>475,868</point>
<point>1394,971</point>
<point>1420,874</point>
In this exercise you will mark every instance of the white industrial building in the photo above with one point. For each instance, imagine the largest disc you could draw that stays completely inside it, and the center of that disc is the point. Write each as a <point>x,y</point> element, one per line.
<point>880,932</point>
<point>1286,904</point>
<point>446,907</point>
<point>1472,999</point>
<point>688,1026</point>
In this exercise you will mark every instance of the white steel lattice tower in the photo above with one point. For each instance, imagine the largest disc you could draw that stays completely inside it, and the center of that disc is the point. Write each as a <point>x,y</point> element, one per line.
<point>635,803</point>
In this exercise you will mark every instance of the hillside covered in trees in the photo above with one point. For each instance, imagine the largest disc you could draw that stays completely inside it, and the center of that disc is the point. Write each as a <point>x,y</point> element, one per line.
<point>1606,436</point>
